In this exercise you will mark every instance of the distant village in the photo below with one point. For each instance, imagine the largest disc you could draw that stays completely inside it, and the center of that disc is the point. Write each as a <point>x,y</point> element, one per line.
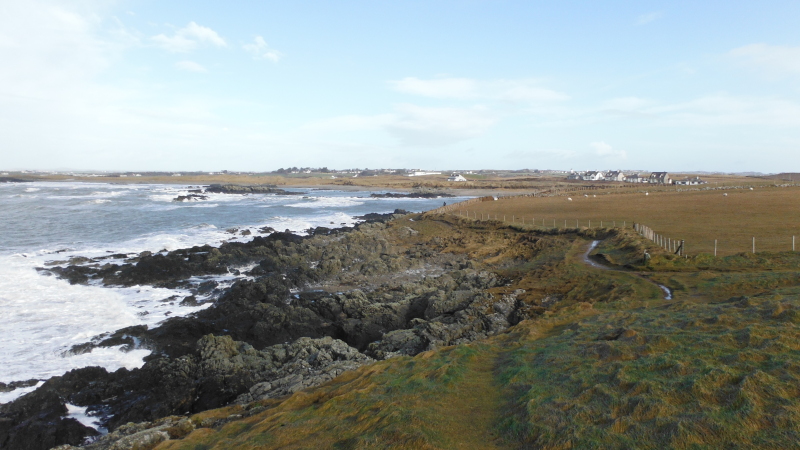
<point>456,176</point>
<point>618,175</point>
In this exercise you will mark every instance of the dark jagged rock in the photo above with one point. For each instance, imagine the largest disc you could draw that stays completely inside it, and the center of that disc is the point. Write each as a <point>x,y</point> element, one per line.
<point>377,217</point>
<point>412,195</point>
<point>8,387</point>
<point>257,189</point>
<point>190,197</point>
<point>219,371</point>
<point>36,422</point>
<point>281,331</point>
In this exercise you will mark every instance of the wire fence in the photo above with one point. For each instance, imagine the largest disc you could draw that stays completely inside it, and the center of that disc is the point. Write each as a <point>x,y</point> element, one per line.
<point>677,245</point>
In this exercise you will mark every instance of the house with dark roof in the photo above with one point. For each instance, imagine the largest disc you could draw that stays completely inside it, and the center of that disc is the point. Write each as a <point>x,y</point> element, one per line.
<point>593,176</point>
<point>660,178</point>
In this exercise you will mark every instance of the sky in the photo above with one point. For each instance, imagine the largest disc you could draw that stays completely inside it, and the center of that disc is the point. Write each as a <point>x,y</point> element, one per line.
<point>433,84</point>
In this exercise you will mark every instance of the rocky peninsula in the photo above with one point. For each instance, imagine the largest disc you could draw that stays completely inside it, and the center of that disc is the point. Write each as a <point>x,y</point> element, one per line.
<point>308,308</point>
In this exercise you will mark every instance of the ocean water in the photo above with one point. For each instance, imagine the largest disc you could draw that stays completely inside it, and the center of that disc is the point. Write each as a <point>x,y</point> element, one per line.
<point>43,317</point>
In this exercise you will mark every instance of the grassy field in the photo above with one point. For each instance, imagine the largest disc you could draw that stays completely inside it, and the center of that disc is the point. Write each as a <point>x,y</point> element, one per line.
<point>612,365</point>
<point>770,214</point>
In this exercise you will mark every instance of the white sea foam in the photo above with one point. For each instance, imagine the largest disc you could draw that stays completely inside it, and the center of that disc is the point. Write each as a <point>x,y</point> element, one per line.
<point>79,413</point>
<point>45,316</point>
<point>6,397</point>
<point>328,202</point>
<point>31,189</point>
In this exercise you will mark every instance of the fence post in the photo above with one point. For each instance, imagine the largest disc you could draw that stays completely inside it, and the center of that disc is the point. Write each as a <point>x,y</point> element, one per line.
<point>715,247</point>
<point>754,244</point>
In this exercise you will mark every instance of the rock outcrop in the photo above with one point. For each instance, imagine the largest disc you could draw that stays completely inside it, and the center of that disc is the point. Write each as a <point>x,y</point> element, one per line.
<point>239,189</point>
<point>312,307</point>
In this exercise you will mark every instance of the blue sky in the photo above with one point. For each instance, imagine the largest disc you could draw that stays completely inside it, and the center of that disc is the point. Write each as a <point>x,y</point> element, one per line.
<point>146,85</point>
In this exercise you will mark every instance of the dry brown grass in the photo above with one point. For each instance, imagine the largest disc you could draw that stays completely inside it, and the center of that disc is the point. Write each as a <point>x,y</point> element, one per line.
<point>771,215</point>
<point>611,365</point>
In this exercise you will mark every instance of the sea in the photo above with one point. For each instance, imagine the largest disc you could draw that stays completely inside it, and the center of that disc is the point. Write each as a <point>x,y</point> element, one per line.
<point>43,223</point>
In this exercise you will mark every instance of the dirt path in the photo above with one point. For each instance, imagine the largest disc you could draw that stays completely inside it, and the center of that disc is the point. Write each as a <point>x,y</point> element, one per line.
<point>588,261</point>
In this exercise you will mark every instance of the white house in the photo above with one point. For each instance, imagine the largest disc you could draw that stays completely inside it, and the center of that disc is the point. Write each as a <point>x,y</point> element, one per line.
<point>615,175</point>
<point>456,177</point>
<point>593,176</point>
<point>636,178</point>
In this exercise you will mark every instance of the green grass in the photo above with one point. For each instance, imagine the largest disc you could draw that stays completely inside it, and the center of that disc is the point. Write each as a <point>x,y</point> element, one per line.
<point>610,365</point>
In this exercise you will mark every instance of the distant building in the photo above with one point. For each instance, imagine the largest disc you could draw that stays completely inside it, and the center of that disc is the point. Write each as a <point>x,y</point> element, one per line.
<point>575,176</point>
<point>593,176</point>
<point>690,181</point>
<point>420,173</point>
<point>456,177</point>
<point>636,178</point>
<point>660,178</point>
<point>615,175</point>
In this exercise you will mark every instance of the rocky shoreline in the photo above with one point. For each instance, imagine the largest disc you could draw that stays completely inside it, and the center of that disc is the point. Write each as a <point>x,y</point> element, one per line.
<point>310,308</point>
<point>198,194</point>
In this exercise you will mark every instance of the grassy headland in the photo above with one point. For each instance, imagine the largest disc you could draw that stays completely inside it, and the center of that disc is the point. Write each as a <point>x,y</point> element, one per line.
<point>604,361</point>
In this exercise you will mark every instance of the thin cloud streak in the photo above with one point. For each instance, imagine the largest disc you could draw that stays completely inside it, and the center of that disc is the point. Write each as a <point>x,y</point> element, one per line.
<point>259,49</point>
<point>189,38</point>
<point>523,91</point>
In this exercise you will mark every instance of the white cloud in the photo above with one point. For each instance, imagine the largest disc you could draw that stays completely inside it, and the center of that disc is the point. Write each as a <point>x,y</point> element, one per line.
<point>458,88</point>
<point>189,38</point>
<point>418,125</point>
<point>190,66</point>
<point>649,17</point>
<point>605,150</point>
<point>260,50</point>
<point>728,110</point>
<point>626,103</point>
<point>523,90</point>
<point>543,154</point>
<point>351,122</point>
<point>774,60</point>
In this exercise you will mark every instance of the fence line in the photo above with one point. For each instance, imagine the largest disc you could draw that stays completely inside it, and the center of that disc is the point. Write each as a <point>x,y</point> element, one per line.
<point>668,243</point>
